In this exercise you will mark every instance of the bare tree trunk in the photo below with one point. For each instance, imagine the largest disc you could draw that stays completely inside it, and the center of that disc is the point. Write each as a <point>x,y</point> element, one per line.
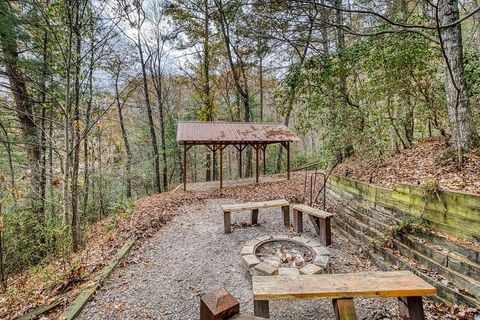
<point>24,107</point>
<point>66,120</point>
<point>153,135</point>
<point>261,87</point>
<point>164,145</point>
<point>157,76</point>
<point>293,88</point>
<point>239,76</point>
<point>43,100</point>
<point>207,90</point>
<point>86,166</point>
<point>76,126</point>
<point>50,163</point>
<point>128,163</point>
<point>464,134</point>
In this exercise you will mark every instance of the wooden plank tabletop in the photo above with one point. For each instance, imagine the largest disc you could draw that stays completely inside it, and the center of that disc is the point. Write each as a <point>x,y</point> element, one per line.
<point>312,211</point>
<point>348,285</point>
<point>255,205</point>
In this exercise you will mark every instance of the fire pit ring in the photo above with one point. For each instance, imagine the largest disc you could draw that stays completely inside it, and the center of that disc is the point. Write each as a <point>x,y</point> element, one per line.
<point>285,255</point>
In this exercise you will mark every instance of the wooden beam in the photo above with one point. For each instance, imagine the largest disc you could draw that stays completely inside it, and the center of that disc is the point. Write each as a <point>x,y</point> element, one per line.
<point>344,309</point>
<point>360,284</point>
<point>264,149</point>
<point>240,164</point>
<point>221,166</point>
<point>240,149</point>
<point>411,308</point>
<point>261,308</point>
<point>184,167</point>
<point>288,160</point>
<point>214,151</point>
<point>256,164</point>
<point>255,205</point>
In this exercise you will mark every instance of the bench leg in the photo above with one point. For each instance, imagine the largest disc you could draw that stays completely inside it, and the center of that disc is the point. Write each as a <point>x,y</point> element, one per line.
<point>411,308</point>
<point>227,222</point>
<point>326,232</point>
<point>261,308</point>
<point>298,221</point>
<point>344,309</point>
<point>286,216</point>
<point>316,224</point>
<point>255,216</point>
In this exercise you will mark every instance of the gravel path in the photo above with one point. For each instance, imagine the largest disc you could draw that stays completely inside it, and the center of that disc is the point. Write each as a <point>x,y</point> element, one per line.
<point>164,277</point>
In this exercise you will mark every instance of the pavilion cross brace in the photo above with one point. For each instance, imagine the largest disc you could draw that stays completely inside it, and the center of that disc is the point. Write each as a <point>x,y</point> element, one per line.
<point>240,147</point>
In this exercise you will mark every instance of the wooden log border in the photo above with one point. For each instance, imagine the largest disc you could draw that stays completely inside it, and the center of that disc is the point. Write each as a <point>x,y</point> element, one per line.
<point>42,309</point>
<point>81,300</point>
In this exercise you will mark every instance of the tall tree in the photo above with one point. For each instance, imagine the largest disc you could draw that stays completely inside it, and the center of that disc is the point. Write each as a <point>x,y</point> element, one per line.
<point>24,103</point>
<point>464,133</point>
<point>135,14</point>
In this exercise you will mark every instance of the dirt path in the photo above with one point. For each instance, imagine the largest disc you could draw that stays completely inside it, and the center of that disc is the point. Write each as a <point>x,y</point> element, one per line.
<point>191,256</point>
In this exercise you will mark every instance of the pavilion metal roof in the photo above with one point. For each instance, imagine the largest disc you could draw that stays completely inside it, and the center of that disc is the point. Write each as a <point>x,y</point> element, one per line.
<point>195,132</point>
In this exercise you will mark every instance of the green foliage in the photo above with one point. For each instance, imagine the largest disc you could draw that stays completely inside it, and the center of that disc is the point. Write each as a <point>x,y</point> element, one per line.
<point>405,226</point>
<point>428,189</point>
<point>472,72</point>
<point>382,76</point>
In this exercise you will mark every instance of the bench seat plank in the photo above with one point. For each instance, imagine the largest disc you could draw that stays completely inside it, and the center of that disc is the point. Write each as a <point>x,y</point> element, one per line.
<point>312,211</point>
<point>255,205</point>
<point>363,284</point>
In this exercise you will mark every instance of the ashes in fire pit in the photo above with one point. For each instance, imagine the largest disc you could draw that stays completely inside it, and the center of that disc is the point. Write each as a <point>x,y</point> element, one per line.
<point>282,254</point>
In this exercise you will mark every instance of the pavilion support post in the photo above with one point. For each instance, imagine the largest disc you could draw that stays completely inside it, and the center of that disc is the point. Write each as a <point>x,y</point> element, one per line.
<point>221,166</point>
<point>264,149</point>
<point>184,167</point>
<point>288,160</point>
<point>208,169</point>
<point>214,151</point>
<point>256,163</point>
<point>240,162</point>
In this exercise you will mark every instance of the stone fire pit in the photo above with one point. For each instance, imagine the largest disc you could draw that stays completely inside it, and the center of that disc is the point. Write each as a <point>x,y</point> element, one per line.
<point>284,255</point>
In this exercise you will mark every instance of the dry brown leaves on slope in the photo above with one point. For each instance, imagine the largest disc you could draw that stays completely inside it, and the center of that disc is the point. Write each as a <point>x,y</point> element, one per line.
<point>66,276</point>
<point>430,160</point>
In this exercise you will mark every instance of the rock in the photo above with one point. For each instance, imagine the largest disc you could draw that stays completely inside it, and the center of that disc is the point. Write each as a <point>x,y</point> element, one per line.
<point>288,257</point>
<point>311,269</point>
<point>247,250</point>
<point>280,254</point>
<point>288,271</point>
<point>299,261</point>
<point>274,263</point>
<point>264,269</point>
<point>250,261</point>
<point>321,261</point>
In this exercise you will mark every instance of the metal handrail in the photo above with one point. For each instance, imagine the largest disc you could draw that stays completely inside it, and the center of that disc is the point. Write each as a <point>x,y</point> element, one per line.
<point>313,185</point>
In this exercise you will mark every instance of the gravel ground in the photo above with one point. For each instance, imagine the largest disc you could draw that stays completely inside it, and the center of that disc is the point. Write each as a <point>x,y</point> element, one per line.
<point>164,277</point>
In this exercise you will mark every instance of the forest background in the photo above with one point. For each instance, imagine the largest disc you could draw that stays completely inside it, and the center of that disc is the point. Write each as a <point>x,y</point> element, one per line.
<point>91,92</point>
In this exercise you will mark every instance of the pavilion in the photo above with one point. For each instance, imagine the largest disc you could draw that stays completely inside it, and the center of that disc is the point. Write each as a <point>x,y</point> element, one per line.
<point>217,135</point>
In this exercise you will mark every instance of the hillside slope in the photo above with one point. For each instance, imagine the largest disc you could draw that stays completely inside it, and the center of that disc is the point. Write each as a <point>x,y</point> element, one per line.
<point>428,161</point>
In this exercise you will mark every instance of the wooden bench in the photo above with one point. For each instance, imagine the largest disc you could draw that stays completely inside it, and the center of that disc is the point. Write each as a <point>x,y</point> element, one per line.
<point>255,206</point>
<point>319,218</point>
<point>342,288</point>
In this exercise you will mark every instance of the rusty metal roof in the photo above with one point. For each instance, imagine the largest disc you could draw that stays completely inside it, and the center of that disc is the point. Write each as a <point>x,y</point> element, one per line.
<point>233,132</point>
